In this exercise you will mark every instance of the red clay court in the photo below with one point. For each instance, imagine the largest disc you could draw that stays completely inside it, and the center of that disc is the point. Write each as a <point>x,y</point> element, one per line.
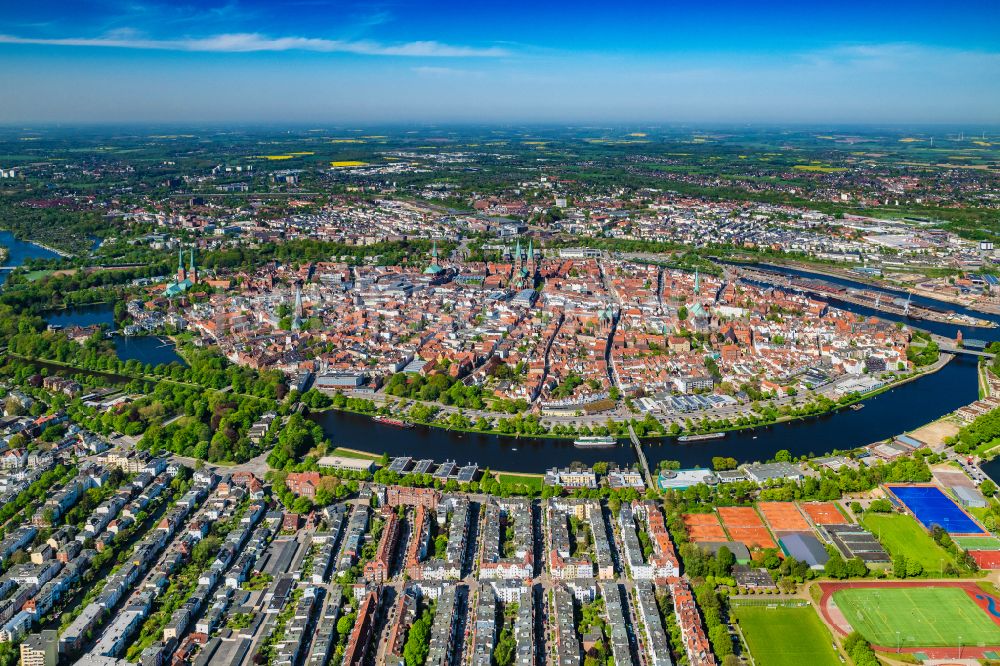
<point>784,517</point>
<point>703,527</point>
<point>824,513</point>
<point>744,525</point>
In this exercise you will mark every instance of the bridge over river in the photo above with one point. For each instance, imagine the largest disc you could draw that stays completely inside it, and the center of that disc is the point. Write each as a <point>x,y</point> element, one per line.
<point>948,345</point>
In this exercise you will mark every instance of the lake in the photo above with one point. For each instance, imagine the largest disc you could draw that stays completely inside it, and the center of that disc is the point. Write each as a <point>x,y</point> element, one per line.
<point>150,349</point>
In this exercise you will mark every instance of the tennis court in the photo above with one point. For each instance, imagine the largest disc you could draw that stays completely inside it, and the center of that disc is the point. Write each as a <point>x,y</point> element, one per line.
<point>744,525</point>
<point>824,513</point>
<point>932,507</point>
<point>784,517</point>
<point>925,616</point>
<point>704,527</point>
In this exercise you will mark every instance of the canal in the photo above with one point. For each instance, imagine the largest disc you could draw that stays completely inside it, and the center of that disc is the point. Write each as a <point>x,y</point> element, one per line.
<point>900,409</point>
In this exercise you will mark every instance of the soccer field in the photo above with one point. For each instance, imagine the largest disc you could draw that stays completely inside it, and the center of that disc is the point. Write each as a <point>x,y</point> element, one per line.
<point>786,636</point>
<point>917,616</point>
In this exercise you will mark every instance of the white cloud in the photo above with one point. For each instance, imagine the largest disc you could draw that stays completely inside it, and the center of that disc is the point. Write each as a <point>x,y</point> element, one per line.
<point>251,42</point>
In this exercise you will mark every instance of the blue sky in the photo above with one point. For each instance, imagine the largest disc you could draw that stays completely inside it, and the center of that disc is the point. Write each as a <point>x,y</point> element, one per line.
<point>624,61</point>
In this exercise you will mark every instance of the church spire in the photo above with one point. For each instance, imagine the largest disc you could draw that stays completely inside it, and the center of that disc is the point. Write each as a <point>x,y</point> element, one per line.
<point>297,320</point>
<point>697,283</point>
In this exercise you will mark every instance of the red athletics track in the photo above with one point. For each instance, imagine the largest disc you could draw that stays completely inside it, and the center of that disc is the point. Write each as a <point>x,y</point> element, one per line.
<point>836,620</point>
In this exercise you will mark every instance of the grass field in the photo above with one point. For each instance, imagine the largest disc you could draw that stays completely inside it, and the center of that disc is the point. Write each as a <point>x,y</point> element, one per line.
<point>902,535</point>
<point>529,480</point>
<point>978,543</point>
<point>352,453</point>
<point>34,276</point>
<point>922,616</point>
<point>786,636</point>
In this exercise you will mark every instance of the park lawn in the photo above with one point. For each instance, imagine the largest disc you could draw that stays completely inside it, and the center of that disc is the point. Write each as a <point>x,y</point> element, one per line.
<point>532,481</point>
<point>917,616</point>
<point>902,535</point>
<point>984,450</point>
<point>786,636</point>
<point>350,453</point>
<point>34,276</point>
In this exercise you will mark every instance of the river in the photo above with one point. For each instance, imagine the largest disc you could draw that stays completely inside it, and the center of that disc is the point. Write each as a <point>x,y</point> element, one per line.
<point>900,409</point>
<point>146,349</point>
<point>992,469</point>
<point>946,330</point>
<point>897,410</point>
<point>20,251</point>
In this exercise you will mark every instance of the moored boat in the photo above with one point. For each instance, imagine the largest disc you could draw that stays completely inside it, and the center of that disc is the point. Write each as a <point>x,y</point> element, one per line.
<point>700,438</point>
<point>594,442</point>
<point>388,420</point>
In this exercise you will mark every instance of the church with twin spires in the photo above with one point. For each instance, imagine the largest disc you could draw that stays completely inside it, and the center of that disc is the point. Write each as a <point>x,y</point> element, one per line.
<point>186,278</point>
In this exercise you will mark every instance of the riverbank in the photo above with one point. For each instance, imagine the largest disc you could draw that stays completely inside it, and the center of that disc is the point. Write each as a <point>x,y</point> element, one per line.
<point>943,360</point>
<point>848,274</point>
<point>54,250</point>
<point>831,289</point>
<point>62,253</point>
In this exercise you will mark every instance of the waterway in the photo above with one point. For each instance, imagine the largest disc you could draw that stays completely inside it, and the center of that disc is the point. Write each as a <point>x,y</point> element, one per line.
<point>903,408</point>
<point>521,454</point>
<point>900,409</point>
<point>992,469</point>
<point>947,330</point>
<point>20,251</point>
<point>150,349</point>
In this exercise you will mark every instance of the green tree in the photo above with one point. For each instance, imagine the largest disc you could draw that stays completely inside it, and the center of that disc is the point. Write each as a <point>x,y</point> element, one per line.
<point>506,647</point>
<point>418,640</point>
<point>899,566</point>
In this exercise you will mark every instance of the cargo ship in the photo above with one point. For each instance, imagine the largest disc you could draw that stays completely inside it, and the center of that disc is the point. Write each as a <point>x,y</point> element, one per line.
<point>388,420</point>
<point>701,438</point>
<point>594,442</point>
